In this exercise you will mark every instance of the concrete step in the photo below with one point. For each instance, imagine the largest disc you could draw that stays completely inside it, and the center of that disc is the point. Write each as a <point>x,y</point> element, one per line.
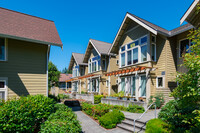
<point>129,128</point>
<point>139,125</point>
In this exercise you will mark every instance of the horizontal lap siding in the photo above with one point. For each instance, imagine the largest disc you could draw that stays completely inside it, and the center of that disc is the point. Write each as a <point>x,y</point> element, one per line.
<point>25,68</point>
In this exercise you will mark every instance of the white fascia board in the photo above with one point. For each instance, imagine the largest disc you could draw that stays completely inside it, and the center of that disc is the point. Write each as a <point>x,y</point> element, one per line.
<point>189,11</point>
<point>94,47</point>
<point>142,24</point>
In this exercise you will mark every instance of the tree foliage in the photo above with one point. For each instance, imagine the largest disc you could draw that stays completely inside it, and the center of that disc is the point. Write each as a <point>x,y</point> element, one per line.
<point>66,71</point>
<point>54,75</point>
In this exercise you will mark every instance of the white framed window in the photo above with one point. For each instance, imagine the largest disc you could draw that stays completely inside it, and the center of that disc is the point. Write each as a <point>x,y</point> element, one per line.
<point>94,64</point>
<point>153,48</point>
<point>134,52</point>
<point>160,81</point>
<point>3,49</point>
<point>184,46</point>
<point>3,88</point>
<point>75,71</point>
<point>107,83</point>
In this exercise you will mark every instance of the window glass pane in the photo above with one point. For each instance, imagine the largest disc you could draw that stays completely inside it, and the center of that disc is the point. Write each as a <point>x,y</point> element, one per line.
<point>143,53</point>
<point>2,84</point>
<point>123,59</point>
<point>133,87</point>
<point>144,40</point>
<point>123,84</point>
<point>2,95</point>
<point>2,49</point>
<point>143,86</point>
<point>153,52</point>
<point>99,64</point>
<point>135,55</point>
<point>133,44</point>
<point>123,49</point>
<point>160,82</point>
<point>129,57</point>
<point>103,64</point>
<point>184,46</point>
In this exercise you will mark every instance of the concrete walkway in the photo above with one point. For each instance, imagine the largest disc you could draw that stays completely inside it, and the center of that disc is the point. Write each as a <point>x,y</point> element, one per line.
<point>90,126</point>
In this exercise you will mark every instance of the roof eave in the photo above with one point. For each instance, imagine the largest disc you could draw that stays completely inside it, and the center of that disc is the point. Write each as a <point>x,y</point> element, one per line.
<point>30,40</point>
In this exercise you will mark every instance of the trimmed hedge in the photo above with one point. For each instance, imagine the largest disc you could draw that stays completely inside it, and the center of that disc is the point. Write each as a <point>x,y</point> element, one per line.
<point>97,99</point>
<point>156,126</point>
<point>25,114</point>
<point>63,120</point>
<point>111,119</point>
<point>135,108</point>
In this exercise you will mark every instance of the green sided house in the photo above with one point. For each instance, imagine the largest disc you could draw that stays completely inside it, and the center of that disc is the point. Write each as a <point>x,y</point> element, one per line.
<point>25,43</point>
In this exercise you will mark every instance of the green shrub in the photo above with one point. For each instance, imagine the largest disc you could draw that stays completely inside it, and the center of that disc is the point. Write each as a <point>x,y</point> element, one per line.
<point>56,99</point>
<point>158,99</point>
<point>87,108</point>
<point>168,111</point>
<point>111,119</point>
<point>135,108</point>
<point>63,120</point>
<point>97,99</point>
<point>25,114</point>
<point>62,96</point>
<point>119,107</point>
<point>156,126</point>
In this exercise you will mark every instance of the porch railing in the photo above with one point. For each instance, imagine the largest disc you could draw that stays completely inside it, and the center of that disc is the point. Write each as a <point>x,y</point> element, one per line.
<point>144,113</point>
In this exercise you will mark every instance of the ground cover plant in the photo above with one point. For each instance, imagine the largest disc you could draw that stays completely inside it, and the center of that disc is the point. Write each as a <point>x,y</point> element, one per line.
<point>156,126</point>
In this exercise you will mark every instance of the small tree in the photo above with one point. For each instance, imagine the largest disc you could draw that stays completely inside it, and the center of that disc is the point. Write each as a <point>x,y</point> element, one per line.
<point>187,94</point>
<point>54,75</point>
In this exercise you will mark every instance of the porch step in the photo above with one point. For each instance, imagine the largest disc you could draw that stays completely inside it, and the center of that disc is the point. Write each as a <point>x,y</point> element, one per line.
<point>128,125</point>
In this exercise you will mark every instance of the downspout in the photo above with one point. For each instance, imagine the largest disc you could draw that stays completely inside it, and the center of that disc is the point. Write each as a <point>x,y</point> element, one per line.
<point>109,76</point>
<point>48,51</point>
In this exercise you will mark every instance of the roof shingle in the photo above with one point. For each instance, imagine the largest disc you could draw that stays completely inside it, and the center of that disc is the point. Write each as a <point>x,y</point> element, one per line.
<point>21,26</point>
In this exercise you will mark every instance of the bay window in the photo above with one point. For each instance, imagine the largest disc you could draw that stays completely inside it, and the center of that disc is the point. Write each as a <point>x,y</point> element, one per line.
<point>94,64</point>
<point>134,52</point>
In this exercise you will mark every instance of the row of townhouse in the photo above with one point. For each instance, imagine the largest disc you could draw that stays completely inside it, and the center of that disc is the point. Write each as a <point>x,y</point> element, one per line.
<point>142,60</point>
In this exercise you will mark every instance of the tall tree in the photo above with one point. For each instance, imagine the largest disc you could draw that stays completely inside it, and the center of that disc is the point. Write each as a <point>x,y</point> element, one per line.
<point>66,71</point>
<point>54,75</point>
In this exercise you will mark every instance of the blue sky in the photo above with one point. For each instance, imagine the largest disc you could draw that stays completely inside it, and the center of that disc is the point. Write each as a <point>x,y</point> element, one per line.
<point>79,20</point>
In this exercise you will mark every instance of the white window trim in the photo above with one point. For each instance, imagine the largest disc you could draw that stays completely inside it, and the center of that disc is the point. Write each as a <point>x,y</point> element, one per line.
<point>153,43</point>
<point>179,50</point>
<point>6,49</point>
<point>140,86</point>
<point>90,62</point>
<point>139,51</point>
<point>5,89</point>
<point>162,76</point>
<point>77,71</point>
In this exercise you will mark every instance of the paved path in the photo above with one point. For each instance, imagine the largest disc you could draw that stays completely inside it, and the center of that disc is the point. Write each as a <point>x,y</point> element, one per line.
<point>90,126</point>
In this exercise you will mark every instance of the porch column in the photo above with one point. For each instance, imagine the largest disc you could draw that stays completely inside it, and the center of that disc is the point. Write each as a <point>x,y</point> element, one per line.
<point>148,85</point>
<point>137,84</point>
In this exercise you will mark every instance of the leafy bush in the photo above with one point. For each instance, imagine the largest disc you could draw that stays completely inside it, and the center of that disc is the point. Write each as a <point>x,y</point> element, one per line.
<point>111,119</point>
<point>63,120</point>
<point>87,108</point>
<point>62,96</point>
<point>119,107</point>
<point>135,108</point>
<point>158,99</point>
<point>168,111</point>
<point>56,99</point>
<point>156,126</point>
<point>25,114</point>
<point>97,99</point>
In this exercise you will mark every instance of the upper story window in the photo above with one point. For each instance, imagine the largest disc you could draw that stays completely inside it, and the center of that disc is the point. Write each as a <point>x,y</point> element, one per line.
<point>134,52</point>
<point>153,48</point>
<point>2,49</point>
<point>184,47</point>
<point>94,64</point>
<point>75,72</point>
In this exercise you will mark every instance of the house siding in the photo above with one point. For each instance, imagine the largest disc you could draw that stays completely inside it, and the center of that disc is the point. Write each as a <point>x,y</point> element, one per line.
<point>25,68</point>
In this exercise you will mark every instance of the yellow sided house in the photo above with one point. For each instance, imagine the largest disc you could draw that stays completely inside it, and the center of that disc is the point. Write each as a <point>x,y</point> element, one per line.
<point>147,58</point>
<point>25,43</point>
<point>91,78</point>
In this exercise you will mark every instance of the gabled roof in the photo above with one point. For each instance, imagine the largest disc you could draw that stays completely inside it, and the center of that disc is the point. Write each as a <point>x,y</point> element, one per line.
<point>25,27</point>
<point>64,77</point>
<point>78,58</point>
<point>155,29</point>
<point>102,48</point>
<point>190,13</point>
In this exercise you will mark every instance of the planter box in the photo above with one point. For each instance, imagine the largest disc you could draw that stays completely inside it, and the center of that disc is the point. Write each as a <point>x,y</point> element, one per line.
<point>122,102</point>
<point>87,97</point>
